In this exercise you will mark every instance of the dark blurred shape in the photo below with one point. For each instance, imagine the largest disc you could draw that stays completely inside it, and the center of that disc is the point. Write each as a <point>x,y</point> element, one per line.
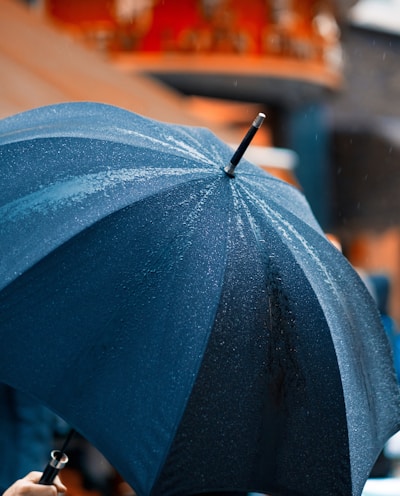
<point>27,429</point>
<point>274,51</point>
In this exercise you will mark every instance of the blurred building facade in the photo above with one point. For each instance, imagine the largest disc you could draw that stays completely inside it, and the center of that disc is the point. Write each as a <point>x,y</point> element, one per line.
<point>326,81</point>
<point>365,142</point>
<point>282,55</point>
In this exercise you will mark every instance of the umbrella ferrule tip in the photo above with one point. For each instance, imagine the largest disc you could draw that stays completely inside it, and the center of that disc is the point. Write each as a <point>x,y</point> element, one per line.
<point>230,170</point>
<point>259,120</point>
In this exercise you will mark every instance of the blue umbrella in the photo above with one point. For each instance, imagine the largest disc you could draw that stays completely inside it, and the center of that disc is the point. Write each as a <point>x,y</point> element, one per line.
<point>192,322</point>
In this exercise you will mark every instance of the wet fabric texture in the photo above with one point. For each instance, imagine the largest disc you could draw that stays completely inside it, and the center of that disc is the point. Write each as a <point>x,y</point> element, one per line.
<point>199,330</point>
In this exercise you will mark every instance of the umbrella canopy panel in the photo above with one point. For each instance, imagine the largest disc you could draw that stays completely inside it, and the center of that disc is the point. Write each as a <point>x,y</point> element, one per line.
<point>199,330</point>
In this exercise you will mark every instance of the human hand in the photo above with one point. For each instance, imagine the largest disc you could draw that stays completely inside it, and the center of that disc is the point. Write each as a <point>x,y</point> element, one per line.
<point>29,486</point>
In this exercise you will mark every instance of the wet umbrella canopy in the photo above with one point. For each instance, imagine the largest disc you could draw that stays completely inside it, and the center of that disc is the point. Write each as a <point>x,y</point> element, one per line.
<point>197,328</point>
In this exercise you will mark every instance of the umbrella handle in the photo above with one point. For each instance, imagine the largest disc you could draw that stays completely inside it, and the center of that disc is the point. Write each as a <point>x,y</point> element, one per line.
<point>58,460</point>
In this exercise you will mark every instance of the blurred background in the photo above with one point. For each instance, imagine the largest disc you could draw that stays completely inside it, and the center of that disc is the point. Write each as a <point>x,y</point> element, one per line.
<point>325,73</point>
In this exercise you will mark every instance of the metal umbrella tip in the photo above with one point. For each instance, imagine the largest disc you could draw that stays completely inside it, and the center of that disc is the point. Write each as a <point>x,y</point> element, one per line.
<point>230,168</point>
<point>259,120</point>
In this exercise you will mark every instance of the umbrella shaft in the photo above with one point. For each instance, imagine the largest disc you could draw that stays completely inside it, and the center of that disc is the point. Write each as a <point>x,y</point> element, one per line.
<point>230,168</point>
<point>243,145</point>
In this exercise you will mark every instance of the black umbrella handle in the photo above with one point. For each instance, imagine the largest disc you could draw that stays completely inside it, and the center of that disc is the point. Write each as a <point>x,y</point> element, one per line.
<point>58,460</point>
